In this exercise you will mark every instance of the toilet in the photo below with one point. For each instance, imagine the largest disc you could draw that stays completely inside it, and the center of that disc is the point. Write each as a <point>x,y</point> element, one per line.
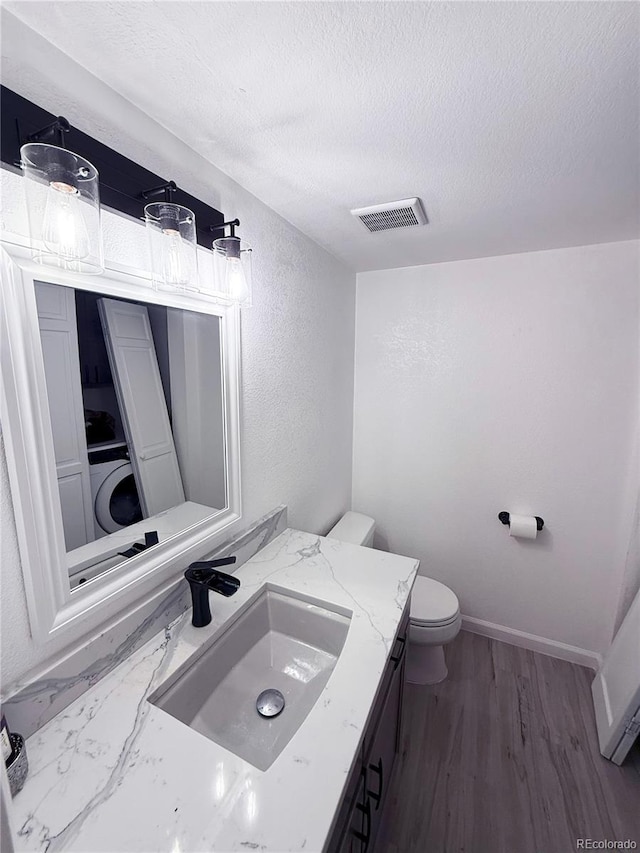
<point>435,611</point>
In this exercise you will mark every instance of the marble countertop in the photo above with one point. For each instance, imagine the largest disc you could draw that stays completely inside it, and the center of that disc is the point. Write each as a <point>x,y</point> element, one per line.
<point>113,772</point>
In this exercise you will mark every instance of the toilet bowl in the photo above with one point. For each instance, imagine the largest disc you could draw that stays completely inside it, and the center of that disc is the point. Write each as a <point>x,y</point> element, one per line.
<point>434,618</point>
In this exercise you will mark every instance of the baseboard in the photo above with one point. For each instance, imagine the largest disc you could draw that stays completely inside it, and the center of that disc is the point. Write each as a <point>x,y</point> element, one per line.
<point>553,648</point>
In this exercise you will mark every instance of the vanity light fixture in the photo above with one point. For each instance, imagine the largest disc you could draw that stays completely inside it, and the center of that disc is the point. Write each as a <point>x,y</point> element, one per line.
<point>63,188</point>
<point>63,202</point>
<point>171,231</point>
<point>232,265</point>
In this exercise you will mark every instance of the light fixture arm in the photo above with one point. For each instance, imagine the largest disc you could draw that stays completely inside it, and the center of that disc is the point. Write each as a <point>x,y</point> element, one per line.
<point>53,133</point>
<point>232,224</point>
<point>168,188</point>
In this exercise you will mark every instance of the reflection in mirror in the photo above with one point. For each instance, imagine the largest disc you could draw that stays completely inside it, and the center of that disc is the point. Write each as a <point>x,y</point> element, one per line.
<point>135,396</point>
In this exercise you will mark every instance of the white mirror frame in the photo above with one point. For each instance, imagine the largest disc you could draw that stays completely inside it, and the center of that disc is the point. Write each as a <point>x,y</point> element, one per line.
<point>54,611</point>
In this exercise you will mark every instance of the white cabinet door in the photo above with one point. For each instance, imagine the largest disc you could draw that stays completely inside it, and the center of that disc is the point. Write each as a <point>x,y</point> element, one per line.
<point>616,689</point>
<point>136,377</point>
<point>59,337</point>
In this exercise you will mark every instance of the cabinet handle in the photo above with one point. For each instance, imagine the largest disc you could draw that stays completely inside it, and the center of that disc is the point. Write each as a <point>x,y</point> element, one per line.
<point>366,835</point>
<point>377,797</point>
<point>396,660</point>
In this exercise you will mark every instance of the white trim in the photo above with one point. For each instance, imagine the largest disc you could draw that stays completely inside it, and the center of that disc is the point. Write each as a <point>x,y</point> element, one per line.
<point>553,648</point>
<point>616,689</point>
<point>54,610</point>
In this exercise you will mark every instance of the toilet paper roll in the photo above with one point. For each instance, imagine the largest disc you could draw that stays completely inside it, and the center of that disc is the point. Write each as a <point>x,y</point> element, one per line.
<point>522,526</point>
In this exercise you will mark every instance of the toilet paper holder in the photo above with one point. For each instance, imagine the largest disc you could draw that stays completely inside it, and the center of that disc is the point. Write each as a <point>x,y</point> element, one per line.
<point>505,518</point>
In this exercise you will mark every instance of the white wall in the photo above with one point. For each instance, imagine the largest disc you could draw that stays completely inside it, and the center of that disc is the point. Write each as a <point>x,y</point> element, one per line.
<point>297,339</point>
<point>507,383</point>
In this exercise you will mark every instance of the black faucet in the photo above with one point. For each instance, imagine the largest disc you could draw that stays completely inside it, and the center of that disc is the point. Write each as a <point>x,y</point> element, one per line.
<point>202,577</point>
<point>150,539</point>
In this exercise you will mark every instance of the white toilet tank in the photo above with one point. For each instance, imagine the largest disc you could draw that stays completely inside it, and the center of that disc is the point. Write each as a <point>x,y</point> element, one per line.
<point>355,528</point>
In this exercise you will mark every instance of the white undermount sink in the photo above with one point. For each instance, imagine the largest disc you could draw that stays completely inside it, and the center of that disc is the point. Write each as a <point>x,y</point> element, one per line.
<point>283,641</point>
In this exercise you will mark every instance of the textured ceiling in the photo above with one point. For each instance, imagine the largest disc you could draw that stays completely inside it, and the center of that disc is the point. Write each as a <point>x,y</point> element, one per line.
<point>516,123</point>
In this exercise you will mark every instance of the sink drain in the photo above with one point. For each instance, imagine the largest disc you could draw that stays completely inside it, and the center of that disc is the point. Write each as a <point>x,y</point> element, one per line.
<point>270,703</point>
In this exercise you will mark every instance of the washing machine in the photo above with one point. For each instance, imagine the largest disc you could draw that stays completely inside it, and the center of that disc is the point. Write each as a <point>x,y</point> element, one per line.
<point>113,490</point>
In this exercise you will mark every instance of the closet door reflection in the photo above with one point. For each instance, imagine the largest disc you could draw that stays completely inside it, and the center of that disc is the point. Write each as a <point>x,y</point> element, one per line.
<point>136,375</point>
<point>58,334</point>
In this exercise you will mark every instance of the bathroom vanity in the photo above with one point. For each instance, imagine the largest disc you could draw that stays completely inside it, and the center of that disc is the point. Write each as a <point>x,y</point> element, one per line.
<point>116,771</point>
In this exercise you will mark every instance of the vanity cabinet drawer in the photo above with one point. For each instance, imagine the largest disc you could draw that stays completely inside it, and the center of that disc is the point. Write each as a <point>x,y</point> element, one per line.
<point>381,756</point>
<point>394,671</point>
<point>357,837</point>
<point>341,837</point>
<point>359,817</point>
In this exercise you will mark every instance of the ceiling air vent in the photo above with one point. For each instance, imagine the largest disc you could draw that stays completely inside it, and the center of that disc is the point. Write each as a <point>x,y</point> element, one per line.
<point>392,214</point>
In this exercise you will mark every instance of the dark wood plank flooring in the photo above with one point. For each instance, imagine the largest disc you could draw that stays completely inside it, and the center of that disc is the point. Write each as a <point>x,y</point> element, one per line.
<point>502,757</point>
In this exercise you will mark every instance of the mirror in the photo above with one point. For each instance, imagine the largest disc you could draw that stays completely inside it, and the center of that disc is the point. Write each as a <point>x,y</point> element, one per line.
<point>121,420</point>
<point>135,401</point>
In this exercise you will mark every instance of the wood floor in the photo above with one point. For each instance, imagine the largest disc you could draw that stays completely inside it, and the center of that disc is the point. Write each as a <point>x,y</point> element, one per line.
<point>502,757</point>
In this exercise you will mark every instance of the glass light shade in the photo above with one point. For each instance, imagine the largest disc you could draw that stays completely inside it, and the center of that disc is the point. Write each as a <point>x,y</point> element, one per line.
<point>232,270</point>
<point>171,232</point>
<point>63,204</point>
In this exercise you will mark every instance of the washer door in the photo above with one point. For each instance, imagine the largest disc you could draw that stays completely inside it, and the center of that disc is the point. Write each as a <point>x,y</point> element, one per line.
<point>117,504</point>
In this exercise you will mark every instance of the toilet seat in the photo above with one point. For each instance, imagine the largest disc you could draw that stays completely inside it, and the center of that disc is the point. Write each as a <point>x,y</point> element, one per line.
<point>432,604</point>
<point>426,624</point>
